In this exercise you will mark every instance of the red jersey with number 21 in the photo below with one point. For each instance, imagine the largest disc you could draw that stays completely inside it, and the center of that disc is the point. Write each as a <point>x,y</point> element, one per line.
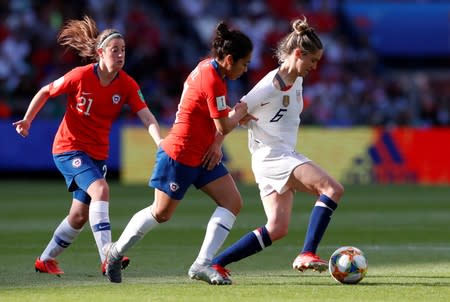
<point>203,99</point>
<point>91,109</point>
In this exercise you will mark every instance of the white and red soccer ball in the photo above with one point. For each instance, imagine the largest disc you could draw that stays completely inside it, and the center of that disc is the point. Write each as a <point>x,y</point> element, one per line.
<point>348,265</point>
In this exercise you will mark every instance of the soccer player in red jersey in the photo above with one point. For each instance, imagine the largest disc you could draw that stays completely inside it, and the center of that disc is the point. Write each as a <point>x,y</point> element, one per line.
<point>191,155</point>
<point>96,94</point>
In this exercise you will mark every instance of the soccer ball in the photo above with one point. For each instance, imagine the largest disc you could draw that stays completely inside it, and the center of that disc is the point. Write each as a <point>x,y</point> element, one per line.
<point>348,265</point>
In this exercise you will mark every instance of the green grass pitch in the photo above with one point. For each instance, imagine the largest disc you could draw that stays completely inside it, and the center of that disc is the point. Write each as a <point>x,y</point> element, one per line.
<point>403,230</point>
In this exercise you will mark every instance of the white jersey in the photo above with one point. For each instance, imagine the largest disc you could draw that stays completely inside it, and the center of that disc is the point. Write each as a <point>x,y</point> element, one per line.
<point>273,137</point>
<point>278,114</point>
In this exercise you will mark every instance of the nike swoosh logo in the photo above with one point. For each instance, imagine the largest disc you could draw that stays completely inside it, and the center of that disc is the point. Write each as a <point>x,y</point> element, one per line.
<point>86,93</point>
<point>264,104</point>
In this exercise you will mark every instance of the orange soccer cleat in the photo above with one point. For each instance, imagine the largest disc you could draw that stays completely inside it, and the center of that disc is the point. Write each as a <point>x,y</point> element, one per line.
<point>48,266</point>
<point>311,261</point>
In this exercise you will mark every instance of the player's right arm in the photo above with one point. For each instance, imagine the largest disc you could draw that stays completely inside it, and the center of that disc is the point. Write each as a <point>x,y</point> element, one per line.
<point>226,124</point>
<point>36,104</point>
<point>214,154</point>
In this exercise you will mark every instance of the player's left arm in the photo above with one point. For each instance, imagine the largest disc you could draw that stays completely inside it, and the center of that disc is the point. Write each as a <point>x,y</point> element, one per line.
<point>138,105</point>
<point>150,123</point>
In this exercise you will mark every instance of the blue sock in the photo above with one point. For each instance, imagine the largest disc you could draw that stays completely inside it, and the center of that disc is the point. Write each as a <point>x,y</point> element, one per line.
<point>249,244</point>
<point>318,223</point>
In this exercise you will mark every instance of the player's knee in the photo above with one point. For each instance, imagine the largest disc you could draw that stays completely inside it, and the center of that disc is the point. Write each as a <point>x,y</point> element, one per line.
<point>99,190</point>
<point>233,205</point>
<point>276,232</point>
<point>335,191</point>
<point>162,216</point>
<point>103,191</point>
<point>238,206</point>
<point>339,191</point>
<point>78,219</point>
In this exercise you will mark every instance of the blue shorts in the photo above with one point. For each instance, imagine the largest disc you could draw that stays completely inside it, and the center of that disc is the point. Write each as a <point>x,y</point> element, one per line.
<point>79,171</point>
<point>174,178</point>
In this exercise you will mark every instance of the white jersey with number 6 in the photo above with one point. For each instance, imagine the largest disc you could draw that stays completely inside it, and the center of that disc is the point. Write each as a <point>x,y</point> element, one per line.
<point>278,114</point>
<point>273,137</point>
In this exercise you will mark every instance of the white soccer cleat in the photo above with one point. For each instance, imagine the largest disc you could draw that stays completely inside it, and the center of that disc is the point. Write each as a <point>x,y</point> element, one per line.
<point>208,274</point>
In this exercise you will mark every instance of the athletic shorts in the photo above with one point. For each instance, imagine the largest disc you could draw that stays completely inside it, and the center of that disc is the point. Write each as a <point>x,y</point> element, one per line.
<point>79,171</point>
<point>272,168</point>
<point>174,178</point>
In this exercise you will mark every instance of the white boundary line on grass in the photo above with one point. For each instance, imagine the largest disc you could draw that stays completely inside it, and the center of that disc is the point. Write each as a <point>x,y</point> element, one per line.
<point>409,247</point>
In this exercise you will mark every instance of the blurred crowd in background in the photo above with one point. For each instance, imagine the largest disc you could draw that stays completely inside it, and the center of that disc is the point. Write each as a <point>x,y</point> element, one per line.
<point>352,86</point>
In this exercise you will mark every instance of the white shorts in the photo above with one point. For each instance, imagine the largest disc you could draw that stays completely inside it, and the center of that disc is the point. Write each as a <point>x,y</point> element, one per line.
<point>272,168</point>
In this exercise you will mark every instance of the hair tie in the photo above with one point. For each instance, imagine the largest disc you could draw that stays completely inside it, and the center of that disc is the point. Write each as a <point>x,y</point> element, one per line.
<point>112,35</point>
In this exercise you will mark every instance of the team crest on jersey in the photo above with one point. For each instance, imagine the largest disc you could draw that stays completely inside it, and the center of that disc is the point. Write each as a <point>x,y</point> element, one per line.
<point>174,186</point>
<point>221,103</point>
<point>285,100</point>
<point>77,162</point>
<point>116,99</point>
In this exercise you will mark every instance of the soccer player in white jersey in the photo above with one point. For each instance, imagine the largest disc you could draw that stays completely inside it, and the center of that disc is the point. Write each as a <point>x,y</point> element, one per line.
<point>277,102</point>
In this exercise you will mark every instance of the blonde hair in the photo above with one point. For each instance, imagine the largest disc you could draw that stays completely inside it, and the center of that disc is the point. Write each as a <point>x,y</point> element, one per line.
<point>84,37</point>
<point>302,36</point>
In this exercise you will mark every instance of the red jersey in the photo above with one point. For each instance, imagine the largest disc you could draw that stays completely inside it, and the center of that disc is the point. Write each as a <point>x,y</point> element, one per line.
<point>91,109</point>
<point>203,99</point>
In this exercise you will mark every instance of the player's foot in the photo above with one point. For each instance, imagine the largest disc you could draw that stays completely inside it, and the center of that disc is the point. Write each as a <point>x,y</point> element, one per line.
<point>48,266</point>
<point>125,263</point>
<point>208,274</point>
<point>311,261</point>
<point>113,266</point>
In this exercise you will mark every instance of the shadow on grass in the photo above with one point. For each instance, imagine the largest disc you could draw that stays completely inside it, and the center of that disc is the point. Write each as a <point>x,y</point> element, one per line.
<point>323,280</point>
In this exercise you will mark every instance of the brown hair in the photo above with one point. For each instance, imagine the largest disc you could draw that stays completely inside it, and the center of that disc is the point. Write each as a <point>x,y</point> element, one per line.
<point>302,36</point>
<point>84,37</point>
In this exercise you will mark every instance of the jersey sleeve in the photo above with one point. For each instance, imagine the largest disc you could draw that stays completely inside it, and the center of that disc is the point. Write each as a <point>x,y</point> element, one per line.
<point>216,96</point>
<point>136,99</point>
<point>65,84</point>
<point>259,94</point>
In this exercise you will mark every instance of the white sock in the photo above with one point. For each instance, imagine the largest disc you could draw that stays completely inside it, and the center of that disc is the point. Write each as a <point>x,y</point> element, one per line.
<point>218,228</point>
<point>139,225</point>
<point>63,236</point>
<point>100,225</point>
